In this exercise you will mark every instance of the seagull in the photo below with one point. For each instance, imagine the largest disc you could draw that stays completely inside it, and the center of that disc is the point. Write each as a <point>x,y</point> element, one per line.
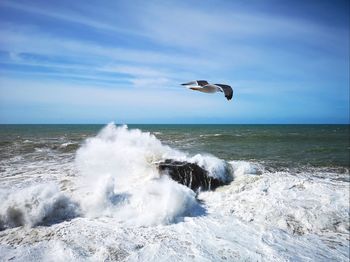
<point>204,86</point>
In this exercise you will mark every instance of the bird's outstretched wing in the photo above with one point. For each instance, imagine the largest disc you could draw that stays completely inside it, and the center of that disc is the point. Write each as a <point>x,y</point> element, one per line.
<point>227,91</point>
<point>197,82</point>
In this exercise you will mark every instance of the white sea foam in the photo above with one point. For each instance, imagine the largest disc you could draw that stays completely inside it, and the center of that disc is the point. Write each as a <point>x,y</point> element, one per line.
<point>118,178</point>
<point>210,135</point>
<point>130,212</point>
<point>64,145</point>
<point>36,205</point>
<point>121,178</point>
<point>297,204</point>
<point>216,167</point>
<point>241,168</point>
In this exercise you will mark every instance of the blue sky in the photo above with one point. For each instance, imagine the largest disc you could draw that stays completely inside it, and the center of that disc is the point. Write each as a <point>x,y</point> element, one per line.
<point>101,61</point>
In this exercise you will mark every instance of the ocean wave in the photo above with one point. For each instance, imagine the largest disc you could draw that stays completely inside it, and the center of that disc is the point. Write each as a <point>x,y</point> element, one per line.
<point>117,177</point>
<point>37,205</point>
<point>68,147</point>
<point>299,204</point>
<point>241,168</point>
<point>122,162</point>
<point>210,135</point>
<point>115,203</point>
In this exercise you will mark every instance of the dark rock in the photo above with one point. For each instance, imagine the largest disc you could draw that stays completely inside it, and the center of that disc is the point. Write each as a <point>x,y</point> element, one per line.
<point>190,175</point>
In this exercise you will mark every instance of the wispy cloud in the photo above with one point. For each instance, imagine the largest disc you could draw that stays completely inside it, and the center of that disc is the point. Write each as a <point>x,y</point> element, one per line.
<point>66,15</point>
<point>135,103</point>
<point>202,28</point>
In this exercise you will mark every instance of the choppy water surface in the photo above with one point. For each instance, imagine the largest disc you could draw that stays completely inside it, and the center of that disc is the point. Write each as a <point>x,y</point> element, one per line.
<point>77,192</point>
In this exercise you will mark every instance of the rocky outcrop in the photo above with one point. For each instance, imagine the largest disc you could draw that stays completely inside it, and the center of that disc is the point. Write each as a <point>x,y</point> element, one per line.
<point>190,175</point>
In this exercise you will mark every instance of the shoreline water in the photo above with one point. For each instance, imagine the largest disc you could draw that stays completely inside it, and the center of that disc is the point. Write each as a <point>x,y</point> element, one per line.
<point>284,203</point>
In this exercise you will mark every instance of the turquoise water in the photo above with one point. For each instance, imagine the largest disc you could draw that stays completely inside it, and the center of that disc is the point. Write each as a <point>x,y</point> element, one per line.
<point>277,146</point>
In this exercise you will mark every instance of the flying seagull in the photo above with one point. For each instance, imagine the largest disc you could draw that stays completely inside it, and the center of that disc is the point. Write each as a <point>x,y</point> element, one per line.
<point>204,86</point>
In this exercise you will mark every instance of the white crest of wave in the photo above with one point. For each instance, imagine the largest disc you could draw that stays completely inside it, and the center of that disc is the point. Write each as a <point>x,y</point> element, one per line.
<point>216,167</point>
<point>241,168</point>
<point>36,205</point>
<point>121,179</point>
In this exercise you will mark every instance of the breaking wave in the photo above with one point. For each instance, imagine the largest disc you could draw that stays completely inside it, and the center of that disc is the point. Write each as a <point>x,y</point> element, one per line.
<point>265,213</point>
<point>117,177</point>
<point>120,177</point>
<point>37,205</point>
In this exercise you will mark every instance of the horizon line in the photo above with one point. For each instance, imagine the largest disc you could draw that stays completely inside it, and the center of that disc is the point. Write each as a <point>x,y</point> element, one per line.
<point>175,123</point>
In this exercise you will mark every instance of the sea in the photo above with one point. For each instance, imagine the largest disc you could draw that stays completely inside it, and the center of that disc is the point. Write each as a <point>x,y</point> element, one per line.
<point>94,193</point>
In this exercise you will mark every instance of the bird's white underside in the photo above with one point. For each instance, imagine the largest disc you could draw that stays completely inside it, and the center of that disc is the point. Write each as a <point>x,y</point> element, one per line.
<point>207,88</point>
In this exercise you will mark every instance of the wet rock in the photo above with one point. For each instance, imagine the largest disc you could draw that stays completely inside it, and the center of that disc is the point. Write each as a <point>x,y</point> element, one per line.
<point>190,175</point>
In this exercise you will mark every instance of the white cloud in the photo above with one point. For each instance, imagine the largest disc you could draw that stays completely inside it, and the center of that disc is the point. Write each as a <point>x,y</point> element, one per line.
<point>30,40</point>
<point>68,16</point>
<point>134,70</point>
<point>218,30</point>
<point>32,92</point>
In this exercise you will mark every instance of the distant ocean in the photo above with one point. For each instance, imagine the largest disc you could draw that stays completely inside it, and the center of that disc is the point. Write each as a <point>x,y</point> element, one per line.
<point>81,192</point>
